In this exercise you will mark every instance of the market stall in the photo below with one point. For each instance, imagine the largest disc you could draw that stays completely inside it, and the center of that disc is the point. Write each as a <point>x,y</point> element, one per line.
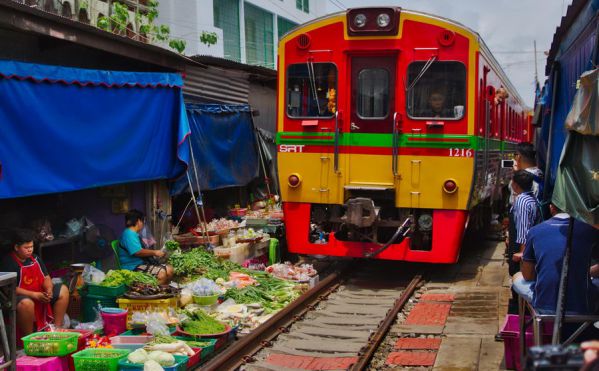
<point>129,322</point>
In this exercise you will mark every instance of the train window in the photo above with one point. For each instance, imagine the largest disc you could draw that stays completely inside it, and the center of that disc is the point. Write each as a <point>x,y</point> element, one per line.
<point>436,91</point>
<point>373,93</point>
<point>311,90</point>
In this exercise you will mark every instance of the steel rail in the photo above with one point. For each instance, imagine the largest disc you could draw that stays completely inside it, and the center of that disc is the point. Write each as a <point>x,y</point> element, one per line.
<point>367,352</point>
<point>243,350</point>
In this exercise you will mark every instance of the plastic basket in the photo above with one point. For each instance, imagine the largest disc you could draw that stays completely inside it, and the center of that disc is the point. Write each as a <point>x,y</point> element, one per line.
<point>130,342</point>
<point>221,339</point>
<point>206,300</point>
<point>93,289</point>
<point>90,305</point>
<point>99,359</point>
<point>180,364</point>
<point>114,323</point>
<point>142,331</point>
<point>83,336</point>
<point>206,350</point>
<point>56,343</point>
<point>140,305</point>
<point>510,333</point>
<point>27,363</point>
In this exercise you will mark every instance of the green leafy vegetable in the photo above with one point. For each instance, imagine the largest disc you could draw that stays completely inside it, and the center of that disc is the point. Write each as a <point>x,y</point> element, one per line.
<point>124,277</point>
<point>201,323</point>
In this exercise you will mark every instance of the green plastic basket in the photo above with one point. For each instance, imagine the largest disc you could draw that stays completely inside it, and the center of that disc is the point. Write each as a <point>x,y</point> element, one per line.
<point>51,344</point>
<point>99,359</point>
<point>180,364</point>
<point>206,350</point>
<point>206,300</point>
<point>97,290</point>
<point>89,304</point>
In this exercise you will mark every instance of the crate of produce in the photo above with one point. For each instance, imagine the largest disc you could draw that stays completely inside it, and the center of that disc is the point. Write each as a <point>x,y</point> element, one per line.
<point>206,345</point>
<point>89,305</point>
<point>50,343</point>
<point>142,305</point>
<point>27,363</point>
<point>83,336</point>
<point>221,339</point>
<point>98,290</point>
<point>180,364</point>
<point>96,359</point>
<point>142,331</point>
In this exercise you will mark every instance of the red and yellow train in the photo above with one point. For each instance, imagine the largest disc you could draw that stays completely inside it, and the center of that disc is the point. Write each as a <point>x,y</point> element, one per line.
<point>392,125</point>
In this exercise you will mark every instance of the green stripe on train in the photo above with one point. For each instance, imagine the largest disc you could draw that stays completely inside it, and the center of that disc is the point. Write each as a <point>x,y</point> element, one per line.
<point>381,140</point>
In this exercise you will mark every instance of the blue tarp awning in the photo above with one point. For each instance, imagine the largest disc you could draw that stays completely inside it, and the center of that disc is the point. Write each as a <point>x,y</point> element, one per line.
<point>65,129</point>
<point>224,147</point>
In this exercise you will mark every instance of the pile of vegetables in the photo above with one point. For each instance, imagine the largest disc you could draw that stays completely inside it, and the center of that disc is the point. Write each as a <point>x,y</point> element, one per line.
<point>124,277</point>
<point>154,360</point>
<point>201,262</point>
<point>200,323</point>
<point>272,293</point>
<point>204,287</point>
<point>138,289</point>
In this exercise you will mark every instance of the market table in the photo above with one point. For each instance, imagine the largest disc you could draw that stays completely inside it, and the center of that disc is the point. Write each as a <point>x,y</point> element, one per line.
<point>8,302</point>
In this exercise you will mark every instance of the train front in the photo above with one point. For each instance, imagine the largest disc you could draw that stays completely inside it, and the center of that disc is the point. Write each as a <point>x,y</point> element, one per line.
<point>376,136</point>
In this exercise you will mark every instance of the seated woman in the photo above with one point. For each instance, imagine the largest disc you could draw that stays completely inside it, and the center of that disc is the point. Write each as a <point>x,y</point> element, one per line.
<point>132,254</point>
<point>39,301</point>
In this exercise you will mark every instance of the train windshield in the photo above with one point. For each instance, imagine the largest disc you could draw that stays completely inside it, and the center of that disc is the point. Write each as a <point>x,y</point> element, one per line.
<point>311,90</point>
<point>440,92</point>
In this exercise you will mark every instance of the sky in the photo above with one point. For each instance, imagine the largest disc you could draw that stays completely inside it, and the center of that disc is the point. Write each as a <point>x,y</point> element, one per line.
<point>508,27</point>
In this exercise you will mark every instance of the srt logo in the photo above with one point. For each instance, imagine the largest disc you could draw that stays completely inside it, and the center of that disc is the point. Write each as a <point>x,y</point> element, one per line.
<point>291,148</point>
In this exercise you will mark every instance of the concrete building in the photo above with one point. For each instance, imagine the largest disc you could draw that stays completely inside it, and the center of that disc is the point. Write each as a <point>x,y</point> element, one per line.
<point>246,31</point>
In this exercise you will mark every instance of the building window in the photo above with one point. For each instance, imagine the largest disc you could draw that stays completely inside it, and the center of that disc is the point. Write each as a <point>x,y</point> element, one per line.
<point>284,26</point>
<point>259,36</point>
<point>438,91</point>
<point>303,5</point>
<point>226,17</point>
<point>311,90</point>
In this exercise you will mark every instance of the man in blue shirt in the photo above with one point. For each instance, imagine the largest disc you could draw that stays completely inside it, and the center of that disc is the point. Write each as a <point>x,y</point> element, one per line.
<point>132,254</point>
<point>542,261</point>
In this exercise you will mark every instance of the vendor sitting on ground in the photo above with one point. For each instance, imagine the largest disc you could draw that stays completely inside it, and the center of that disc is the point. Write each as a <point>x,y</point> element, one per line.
<point>132,254</point>
<point>39,301</point>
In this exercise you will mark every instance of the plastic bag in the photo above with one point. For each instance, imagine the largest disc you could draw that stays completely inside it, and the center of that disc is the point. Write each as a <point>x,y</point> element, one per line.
<point>97,325</point>
<point>186,297</point>
<point>156,325</point>
<point>92,274</point>
<point>147,238</point>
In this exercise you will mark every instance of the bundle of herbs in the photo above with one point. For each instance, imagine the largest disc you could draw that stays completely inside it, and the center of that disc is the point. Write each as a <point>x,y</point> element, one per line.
<point>272,293</point>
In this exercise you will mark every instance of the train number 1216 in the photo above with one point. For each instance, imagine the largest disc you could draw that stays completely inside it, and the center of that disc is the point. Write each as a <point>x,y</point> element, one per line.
<point>460,152</point>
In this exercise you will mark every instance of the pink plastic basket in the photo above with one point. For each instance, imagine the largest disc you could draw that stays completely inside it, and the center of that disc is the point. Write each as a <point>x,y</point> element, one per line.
<point>510,332</point>
<point>28,363</point>
<point>114,323</point>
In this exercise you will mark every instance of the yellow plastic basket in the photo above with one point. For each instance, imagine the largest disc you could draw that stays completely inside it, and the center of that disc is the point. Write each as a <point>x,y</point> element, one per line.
<point>141,305</point>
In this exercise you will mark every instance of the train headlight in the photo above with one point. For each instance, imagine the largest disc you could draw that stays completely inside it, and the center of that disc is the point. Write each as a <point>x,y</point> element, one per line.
<point>360,20</point>
<point>383,20</point>
<point>425,222</point>
<point>294,180</point>
<point>450,186</point>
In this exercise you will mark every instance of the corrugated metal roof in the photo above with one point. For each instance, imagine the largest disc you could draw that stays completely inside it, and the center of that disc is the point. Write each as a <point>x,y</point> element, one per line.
<point>31,19</point>
<point>257,72</point>
<point>572,13</point>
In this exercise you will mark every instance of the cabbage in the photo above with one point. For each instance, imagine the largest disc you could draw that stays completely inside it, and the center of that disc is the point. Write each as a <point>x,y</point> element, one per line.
<point>139,356</point>
<point>164,358</point>
<point>152,366</point>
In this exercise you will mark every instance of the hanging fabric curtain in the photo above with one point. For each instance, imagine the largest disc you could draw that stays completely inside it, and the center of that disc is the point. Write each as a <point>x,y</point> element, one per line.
<point>224,147</point>
<point>65,129</point>
<point>577,183</point>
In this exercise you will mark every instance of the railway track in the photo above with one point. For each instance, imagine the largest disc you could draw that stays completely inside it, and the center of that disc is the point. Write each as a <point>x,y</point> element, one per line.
<point>345,317</point>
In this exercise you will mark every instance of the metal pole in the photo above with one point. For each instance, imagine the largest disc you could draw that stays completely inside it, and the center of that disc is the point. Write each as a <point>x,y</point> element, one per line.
<point>260,154</point>
<point>551,120</point>
<point>563,284</point>
<point>195,172</point>
<point>193,197</point>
